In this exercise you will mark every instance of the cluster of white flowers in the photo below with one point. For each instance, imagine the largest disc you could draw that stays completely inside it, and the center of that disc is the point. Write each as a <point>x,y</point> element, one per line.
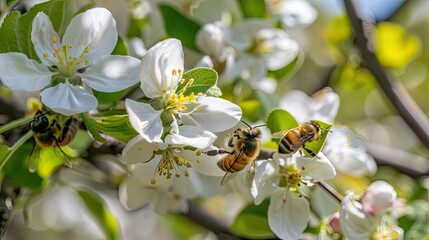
<point>70,65</point>
<point>173,130</point>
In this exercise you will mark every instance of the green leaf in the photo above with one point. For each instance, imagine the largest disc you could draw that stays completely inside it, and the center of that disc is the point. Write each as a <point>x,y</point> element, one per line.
<point>278,120</point>
<point>252,8</point>
<point>116,126</point>
<point>281,73</point>
<point>60,12</point>
<point>121,47</point>
<point>104,217</point>
<point>252,222</point>
<point>179,26</point>
<point>203,80</point>
<point>316,145</point>
<point>108,98</point>
<point>8,38</point>
<point>16,169</point>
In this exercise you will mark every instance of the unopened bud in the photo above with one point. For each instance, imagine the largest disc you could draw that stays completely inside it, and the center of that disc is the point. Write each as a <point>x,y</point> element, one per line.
<point>334,222</point>
<point>378,198</point>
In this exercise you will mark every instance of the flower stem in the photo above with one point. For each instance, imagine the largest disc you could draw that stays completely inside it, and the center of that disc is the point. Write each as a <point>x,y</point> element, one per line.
<point>328,188</point>
<point>15,146</point>
<point>15,124</point>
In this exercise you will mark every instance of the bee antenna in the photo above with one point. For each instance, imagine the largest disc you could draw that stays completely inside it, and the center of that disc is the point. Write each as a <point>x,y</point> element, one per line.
<point>262,125</point>
<point>246,123</point>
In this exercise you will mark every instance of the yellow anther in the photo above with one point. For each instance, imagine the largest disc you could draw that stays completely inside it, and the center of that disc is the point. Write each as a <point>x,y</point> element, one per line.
<point>182,108</point>
<point>182,81</point>
<point>153,181</point>
<point>180,71</point>
<point>198,107</point>
<point>45,55</point>
<point>174,72</point>
<point>190,82</point>
<point>54,39</point>
<point>86,50</point>
<point>200,94</point>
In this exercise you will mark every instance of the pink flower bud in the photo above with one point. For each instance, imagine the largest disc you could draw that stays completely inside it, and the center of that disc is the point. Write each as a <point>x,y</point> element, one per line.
<point>334,222</point>
<point>379,196</point>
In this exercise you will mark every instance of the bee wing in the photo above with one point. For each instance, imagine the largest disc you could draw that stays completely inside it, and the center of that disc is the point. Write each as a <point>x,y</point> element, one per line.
<point>227,177</point>
<point>279,134</point>
<point>33,159</point>
<point>230,175</point>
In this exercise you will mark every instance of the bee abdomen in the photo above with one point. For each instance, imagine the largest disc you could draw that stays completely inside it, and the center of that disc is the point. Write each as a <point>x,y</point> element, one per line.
<point>287,143</point>
<point>232,166</point>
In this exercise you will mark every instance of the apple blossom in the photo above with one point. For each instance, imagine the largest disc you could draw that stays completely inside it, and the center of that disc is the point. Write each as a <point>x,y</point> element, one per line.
<point>82,56</point>
<point>172,122</point>
<point>363,219</point>
<point>282,179</point>
<point>260,47</point>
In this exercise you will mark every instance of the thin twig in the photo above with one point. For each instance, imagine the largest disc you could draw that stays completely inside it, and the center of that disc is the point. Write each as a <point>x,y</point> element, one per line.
<point>395,92</point>
<point>329,189</point>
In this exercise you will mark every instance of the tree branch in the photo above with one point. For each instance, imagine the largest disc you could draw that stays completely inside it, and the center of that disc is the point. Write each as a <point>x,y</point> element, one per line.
<point>395,92</point>
<point>206,220</point>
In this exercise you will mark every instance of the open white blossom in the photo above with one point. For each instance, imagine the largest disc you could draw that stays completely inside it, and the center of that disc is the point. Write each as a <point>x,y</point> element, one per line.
<point>293,13</point>
<point>260,47</point>
<point>172,122</point>
<point>323,105</point>
<point>81,56</point>
<point>282,179</point>
<point>347,151</point>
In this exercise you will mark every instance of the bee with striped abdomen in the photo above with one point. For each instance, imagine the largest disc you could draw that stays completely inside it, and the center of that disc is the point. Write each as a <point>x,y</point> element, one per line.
<point>51,130</point>
<point>295,138</point>
<point>246,146</point>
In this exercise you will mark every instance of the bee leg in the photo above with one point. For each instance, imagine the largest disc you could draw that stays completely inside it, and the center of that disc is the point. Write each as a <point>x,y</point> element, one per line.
<point>216,152</point>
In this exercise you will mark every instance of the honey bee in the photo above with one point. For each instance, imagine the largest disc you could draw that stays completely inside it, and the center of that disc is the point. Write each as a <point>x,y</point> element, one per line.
<point>246,146</point>
<point>295,138</point>
<point>51,130</point>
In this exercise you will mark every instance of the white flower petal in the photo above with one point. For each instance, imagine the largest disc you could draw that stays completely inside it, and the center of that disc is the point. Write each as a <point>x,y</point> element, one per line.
<point>215,115</point>
<point>112,73</point>
<point>132,194</point>
<point>318,169</point>
<point>325,105</point>
<point>45,39</point>
<point>96,29</point>
<point>20,73</point>
<point>157,67</point>
<point>288,217</point>
<point>352,161</point>
<point>265,182</point>
<point>204,164</point>
<point>68,100</point>
<point>297,103</point>
<point>191,136</point>
<point>355,223</point>
<point>145,120</point>
<point>138,150</point>
<point>296,13</point>
<point>210,39</point>
<point>283,49</point>
<point>379,196</point>
<point>168,200</point>
<point>144,173</point>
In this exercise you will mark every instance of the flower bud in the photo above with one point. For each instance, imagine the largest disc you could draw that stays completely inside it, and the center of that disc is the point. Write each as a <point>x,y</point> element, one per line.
<point>379,196</point>
<point>334,223</point>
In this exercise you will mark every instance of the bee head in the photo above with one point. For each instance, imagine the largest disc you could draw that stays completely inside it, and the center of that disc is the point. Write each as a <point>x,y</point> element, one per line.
<point>40,122</point>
